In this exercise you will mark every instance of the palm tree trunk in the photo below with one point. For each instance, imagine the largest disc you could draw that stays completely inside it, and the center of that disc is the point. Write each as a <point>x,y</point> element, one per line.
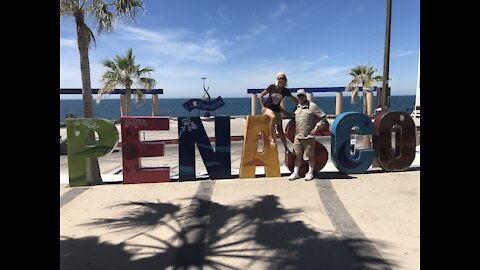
<point>93,170</point>
<point>366,138</point>
<point>83,42</point>
<point>128,96</point>
<point>364,100</point>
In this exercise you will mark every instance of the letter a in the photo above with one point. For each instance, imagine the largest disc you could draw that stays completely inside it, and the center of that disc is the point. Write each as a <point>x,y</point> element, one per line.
<point>250,157</point>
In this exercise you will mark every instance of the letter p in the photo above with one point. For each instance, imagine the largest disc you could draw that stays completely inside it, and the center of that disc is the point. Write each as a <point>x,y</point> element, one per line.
<point>79,150</point>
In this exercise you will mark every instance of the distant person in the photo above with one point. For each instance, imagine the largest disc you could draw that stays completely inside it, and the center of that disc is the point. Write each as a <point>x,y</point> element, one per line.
<point>271,108</point>
<point>308,119</point>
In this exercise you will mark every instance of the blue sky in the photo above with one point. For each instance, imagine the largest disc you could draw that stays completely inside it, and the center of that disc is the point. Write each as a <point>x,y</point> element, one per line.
<point>244,44</point>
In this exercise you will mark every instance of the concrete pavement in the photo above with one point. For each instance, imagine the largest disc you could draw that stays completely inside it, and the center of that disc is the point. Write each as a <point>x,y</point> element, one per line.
<point>338,222</point>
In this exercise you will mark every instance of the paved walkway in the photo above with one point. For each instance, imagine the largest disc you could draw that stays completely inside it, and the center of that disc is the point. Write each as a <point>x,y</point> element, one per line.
<point>335,222</point>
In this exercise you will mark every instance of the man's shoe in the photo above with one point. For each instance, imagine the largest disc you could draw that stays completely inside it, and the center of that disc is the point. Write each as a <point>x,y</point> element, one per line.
<point>272,143</point>
<point>308,176</point>
<point>293,176</point>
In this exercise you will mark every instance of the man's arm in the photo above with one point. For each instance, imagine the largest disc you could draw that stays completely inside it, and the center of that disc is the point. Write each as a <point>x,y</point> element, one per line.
<point>321,116</point>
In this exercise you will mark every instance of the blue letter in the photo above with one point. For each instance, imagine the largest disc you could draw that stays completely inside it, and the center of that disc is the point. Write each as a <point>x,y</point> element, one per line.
<point>341,129</point>
<point>191,132</point>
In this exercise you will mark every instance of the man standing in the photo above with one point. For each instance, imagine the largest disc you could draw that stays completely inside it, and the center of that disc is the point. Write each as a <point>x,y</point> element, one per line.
<point>308,119</point>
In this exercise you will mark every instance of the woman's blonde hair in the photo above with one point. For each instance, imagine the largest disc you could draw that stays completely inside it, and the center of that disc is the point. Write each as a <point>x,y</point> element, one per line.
<point>283,75</point>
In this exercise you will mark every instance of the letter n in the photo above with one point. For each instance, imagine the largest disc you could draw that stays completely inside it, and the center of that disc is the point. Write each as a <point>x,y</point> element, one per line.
<point>191,132</point>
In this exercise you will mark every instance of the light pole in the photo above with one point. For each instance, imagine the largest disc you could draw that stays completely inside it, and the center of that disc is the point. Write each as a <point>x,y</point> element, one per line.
<point>386,55</point>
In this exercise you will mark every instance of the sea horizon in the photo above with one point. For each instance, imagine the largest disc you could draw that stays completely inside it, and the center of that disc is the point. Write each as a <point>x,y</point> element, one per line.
<point>234,106</point>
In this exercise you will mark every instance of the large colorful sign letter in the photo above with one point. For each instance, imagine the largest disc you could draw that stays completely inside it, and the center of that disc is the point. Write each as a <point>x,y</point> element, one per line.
<point>341,130</point>
<point>78,149</point>
<point>250,157</point>
<point>400,157</point>
<point>133,149</point>
<point>191,132</point>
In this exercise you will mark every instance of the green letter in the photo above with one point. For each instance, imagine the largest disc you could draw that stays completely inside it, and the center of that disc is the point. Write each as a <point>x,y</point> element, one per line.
<point>78,149</point>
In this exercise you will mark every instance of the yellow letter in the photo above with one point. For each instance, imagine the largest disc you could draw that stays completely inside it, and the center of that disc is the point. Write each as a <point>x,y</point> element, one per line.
<point>250,157</point>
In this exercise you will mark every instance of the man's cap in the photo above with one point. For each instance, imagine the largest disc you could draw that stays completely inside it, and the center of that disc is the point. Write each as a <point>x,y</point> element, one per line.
<point>301,92</point>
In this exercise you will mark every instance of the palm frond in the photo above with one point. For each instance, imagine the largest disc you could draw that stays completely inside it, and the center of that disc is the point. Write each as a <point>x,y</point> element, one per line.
<point>367,84</point>
<point>354,98</point>
<point>122,70</point>
<point>129,56</point>
<point>362,75</point>
<point>109,64</point>
<point>139,97</point>
<point>108,87</point>
<point>147,70</point>
<point>127,9</point>
<point>104,19</point>
<point>354,83</point>
<point>68,7</point>
<point>111,76</point>
<point>83,4</point>
<point>147,83</point>
<point>91,35</point>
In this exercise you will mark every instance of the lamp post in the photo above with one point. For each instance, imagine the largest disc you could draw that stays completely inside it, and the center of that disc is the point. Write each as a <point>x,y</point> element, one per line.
<point>386,55</point>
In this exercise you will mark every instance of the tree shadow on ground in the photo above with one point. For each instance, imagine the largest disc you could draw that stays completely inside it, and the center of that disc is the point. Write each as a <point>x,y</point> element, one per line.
<point>256,234</point>
<point>148,214</point>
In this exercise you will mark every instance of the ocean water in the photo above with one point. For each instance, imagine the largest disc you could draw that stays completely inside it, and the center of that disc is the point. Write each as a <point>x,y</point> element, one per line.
<point>110,108</point>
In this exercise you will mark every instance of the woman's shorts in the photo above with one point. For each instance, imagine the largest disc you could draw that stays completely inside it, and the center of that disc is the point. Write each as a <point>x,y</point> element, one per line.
<point>278,116</point>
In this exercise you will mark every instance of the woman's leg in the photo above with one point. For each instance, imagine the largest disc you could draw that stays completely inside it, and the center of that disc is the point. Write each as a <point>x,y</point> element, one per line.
<point>282,136</point>
<point>279,123</point>
<point>271,124</point>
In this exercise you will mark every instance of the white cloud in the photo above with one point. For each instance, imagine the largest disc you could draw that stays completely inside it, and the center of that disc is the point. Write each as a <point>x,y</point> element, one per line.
<point>401,53</point>
<point>327,76</point>
<point>180,82</point>
<point>67,42</point>
<point>253,32</point>
<point>178,44</point>
<point>279,11</point>
<point>323,57</point>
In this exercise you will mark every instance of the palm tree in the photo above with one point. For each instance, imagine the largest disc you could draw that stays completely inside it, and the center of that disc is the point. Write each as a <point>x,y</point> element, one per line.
<point>103,16</point>
<point>362,76</point>
<point>122,70</point>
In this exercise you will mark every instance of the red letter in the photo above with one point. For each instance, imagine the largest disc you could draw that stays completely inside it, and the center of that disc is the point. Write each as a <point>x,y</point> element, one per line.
<point>133,149</point>
<point>400,157</point>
